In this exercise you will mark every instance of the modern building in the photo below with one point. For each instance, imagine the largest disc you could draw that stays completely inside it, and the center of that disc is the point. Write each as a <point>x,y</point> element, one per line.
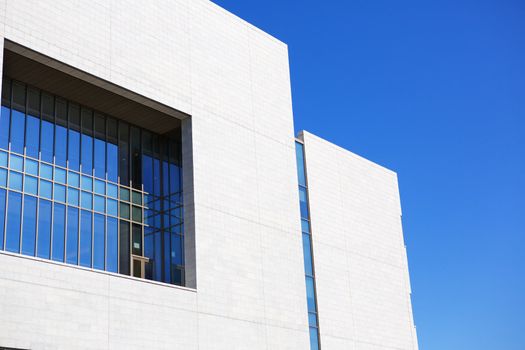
<point>149,185</point>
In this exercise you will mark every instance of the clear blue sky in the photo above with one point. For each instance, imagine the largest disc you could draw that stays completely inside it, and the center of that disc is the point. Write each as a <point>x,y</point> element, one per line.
<point>434,90</point>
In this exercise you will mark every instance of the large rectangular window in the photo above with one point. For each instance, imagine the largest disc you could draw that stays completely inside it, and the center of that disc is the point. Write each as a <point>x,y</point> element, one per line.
<point>82,188</point>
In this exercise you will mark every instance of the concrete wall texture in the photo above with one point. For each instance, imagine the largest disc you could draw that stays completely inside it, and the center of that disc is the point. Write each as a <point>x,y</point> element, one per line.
<point>233,80</point>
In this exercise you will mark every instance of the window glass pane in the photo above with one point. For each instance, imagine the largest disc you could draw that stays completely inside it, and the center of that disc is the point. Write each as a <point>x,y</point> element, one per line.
<point>16,162</point>
<point>303,200</point>
<point>314,341</point>
<point>124,194</point>
<point>177,249</point>
<point>100,187</point>
<point>74,116</point>
<point>85,238</point>
<point>19,96</point>
<point>124,248</point>
<point>17,131</point>
<point>310,294</point>
<point>46,171</point>
<point>72,196</point>
<point>312,319</point>
<point>12,242</point>
<point>48,107</point>
<point>6,91</point>
<point>61,112</point>
<point>136,167</point>
<point>3,195</point>
<point>87,154</point>
<point>86,200</point>
<point>44,229</point>
<point>29,226</point>
<point>137,214</point>
<point>32,167</point>
<point>98,243</point>
<point>112,155</point>
<point>305,226</point>
<point>124,153</point>
<point>136,197</point>
<point>46,189</point>
<point>30,185</point>
<point>15,181</point>
<point>124,210</point>
<point>4,127</point>
<point>136,247</point>
<point>73,150</point>
<point>3,177</point>
<point>100,204</point>
<point>60,175</point>
<point>32,136</point>
<point>72,236</point>
<point>299,151</point>
<point>87,183</point>
<point>112,207</point>
<point>33,101</point>
<point>307,255</point>
<point>3,158</point>
<point>59,229</point>
<point>112,191</point>
<point>112,245</point>
<point>46,141</point>
<point>60,193</point>
<point>100,159</point>
<point>60,145</point>
<point>73,179</point>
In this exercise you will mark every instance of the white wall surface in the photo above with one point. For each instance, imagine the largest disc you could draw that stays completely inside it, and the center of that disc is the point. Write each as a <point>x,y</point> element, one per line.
<point>233,80</point>
<point>363,288</point>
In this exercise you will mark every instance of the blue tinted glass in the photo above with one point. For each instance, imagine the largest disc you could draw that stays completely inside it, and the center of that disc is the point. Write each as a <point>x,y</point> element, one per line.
<point>72,196</point>
<point>112,207</point>
<point>147,173</point>
<point>307,255</point>
<point>46,141</point>
<point>46,171</point>
<point>112,191</point>
<point>72,236</point>
<point>30,185</point>
<point>305,226</point>
<point>112,245</point>
<point>100,204</point>
<point>59,230</point>
<point>112,170</point>
<point>15,181</point>
<point>303,201</point>
<point>46,189</point>
<point>73,179</point>
<point>29,226</point>
<point>86,200</point>
<point>3,177</point>
<point>314,341</point>
<point>99,236</point>
<point>60,145</point>
<point>299,151</point>
<point>310,294</point>
<point>177,245</point>
<point>3,158</point>
<point>85,238</point>
<point>18,120</point>
<point>100,187</point>
<point>16,162</point>
<point>12,240</point>
<point>60,193</point>
<point>73,150</point>
<point>4,127</point>
<point>87,154</point>
<point>44,229</point>
<point>32,136</point>
<point>3,194</point>
<point>100,159</point>
<point>312,319</point>
<point>174,178</point>
<point>60,175</point>
<point>87,183</point>
<point>32,167</point>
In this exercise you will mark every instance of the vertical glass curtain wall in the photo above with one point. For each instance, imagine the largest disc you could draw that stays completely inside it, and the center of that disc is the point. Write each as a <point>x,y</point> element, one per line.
<point>85,189</point>
<point>313,319</point>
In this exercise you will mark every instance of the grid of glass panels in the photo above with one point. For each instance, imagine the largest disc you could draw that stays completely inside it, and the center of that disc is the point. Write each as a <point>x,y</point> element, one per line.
<point>313,319</point>
<point>85,189</point>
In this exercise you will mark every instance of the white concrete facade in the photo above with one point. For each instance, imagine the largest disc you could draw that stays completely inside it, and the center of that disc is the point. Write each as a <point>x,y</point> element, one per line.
<point>363,288</point>
<point>246,275</point>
